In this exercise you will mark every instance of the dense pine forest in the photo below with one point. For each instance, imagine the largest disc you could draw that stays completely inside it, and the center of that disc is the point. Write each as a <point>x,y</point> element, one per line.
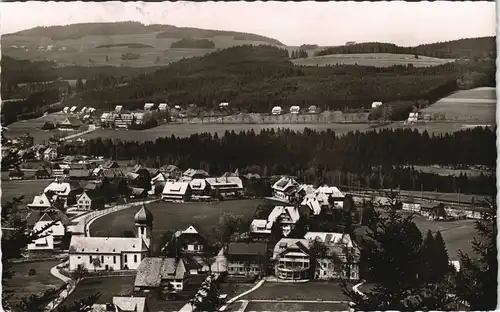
<point>456,49</point>
<point>375,159</point>
<point>255,78</point>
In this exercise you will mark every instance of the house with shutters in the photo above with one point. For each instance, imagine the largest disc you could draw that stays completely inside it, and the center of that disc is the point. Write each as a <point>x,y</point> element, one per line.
<point>246,259</point>
<point>53,222</point>
<point>67,191</point>
<point>285,189</point>
<point>113,253</point>
<point>293,259</point>
<point>90,200</point>
<point>176,192</point>
<point>50,154</point>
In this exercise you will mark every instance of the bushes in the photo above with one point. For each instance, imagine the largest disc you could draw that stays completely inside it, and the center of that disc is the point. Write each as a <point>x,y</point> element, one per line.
<point>32,272</point>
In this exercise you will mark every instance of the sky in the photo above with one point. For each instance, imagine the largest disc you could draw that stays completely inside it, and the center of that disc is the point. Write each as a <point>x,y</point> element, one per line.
<point>293,23</point>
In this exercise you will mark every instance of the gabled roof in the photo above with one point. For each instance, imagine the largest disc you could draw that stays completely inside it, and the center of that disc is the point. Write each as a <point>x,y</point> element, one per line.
<point>160,177</point>
<point>260,226</point>
<point>175,188</point>
<point>40,201</point>
<point>285,183</point>
<point>224,182</point>
<point>287,244</point>
<point>198,184</point>
<point>169,168</point>
<point>330,238</point>
<point>130,304</point>
<point>192,172</point>
<point>112,245</point>
<point>247,249</point>
<point>153,270</point>
<point>330,190</point>
<point>51,215</point>
<point>292,212</point>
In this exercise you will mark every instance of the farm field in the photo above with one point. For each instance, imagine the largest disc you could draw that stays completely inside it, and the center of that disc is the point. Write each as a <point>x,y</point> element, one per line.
<point>28,188</point>
<point>84,51</point>
<point>456,234</point>
<point>371,59</point>
<point>449,171</point>
<point>170,216</point>
<point>475,105</point>
<point>296,306</point>
<point>186,130</point>
<point>33,127</point>
<point>23,285</point>
<point>464,198</point>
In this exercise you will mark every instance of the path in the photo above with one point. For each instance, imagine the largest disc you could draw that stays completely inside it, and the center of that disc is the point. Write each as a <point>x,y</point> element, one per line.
<point>230,301</point>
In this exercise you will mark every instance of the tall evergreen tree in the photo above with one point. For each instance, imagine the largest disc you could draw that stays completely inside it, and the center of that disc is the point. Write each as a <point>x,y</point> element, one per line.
<point>476,282</point>
<point>368,214</point>
<point>441,258</point>
<point>427,271</point>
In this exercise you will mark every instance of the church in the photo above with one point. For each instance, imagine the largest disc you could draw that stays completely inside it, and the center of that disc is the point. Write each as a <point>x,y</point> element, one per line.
<point>113,253</point>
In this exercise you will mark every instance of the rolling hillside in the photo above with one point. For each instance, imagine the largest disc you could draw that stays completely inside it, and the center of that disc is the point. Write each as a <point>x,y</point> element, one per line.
<point>103,44</point>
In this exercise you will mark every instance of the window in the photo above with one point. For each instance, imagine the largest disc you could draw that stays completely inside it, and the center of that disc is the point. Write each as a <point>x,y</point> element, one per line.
<point>102,259</point>
<point>135,258</point>
<point>142,230</point>
<point>125,258</point>
<point>114,259</point>
<point>90,259</point>
<point>142,258</point>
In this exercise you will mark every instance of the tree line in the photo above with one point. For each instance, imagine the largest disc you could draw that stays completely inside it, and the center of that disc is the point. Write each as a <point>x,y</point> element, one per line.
<point>375,159</point>
<point>297,54</point>
<point>471,48</point>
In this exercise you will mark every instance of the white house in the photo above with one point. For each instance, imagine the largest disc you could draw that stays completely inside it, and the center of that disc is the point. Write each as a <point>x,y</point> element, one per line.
<point>50,154</point>
<point>118,108</point>
<point>65,190</point>
<point>287,216</point>
<point>162,107</point>
<point>176,191</point>
<point>113,253</point>
<point>285,188</point>
<point>40,202</point>
<point>149,106</point>
<point>376,104</point>
<point>82,111</point>
<point>72,109</point>
<point>293,259</point>
<point>295,109</point>
<point>334,193</point>
<point>276,110</point>
<point>90,201</point>
<point>260,227</point>
<point>65,110</point>
<point>312,109</point>
<point>51,236</point>
<point>413,117</point>
<point>224,105</point>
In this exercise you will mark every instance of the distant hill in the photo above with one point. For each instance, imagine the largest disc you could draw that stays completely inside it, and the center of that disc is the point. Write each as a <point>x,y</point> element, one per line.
<point>193,44</point>
<point>483,47</point>
<point>76,31</point>
<point>309,46</point>
<point>125,45</point>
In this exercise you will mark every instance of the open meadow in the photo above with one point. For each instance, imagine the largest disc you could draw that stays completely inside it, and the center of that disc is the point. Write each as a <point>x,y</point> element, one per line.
<point>85,52</point>
<point>22,285</point>
<point>33,127</point>
<point>475,105</point>
<point>26,188</point>
<point>371,59</point>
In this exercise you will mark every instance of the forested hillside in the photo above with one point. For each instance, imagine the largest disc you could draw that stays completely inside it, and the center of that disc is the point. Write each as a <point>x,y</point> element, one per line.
<point>76,31</point>
<point>456,49</point>
<point>255,78</point>
<point>193,44</point>
<point>318,157</point>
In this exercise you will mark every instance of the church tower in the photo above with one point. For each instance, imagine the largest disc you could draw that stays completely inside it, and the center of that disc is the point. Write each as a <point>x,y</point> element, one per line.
<point>144,225</point>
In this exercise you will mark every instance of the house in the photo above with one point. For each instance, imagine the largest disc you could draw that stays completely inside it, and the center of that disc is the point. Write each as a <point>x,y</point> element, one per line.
<point>191,174</point>
<point>247,259</point>
<point>171,171</point>
<point>40,202</point>
<point>137,192</point>
<point>341,259</point>
<point>65,110</point>
<point>224,105</point>
<point>312,109</point>
<point>276,110</point>
<point>376,104</point>
<point>260,228</point>
<point>118,108</point>
<point>123,304</point>
<point>50,154</point>
<point>198,188</point>
<point>285,216</point>
<point>113,253</point>
<point>190,240</point>
<point>90,200</point>
<point>109,164</point>
<point>162,107</point>
<point>69,124</point>
<point>42,173</point>
<point>52,237</point>
<point>72,109</point>
<point>293,259</point>
<point>68,191</point>
<point>413,117</point>
<point>285,188</point>
<point>161,273</point>
<point>157,184</point>
<point>333,193</point>
<point>176,192</point>
<point>294,109</point>
<point>149,106</point>
<point>229,186</point>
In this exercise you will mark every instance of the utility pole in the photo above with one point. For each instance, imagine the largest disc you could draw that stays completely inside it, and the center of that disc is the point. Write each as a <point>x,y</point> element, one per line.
<point>421,192</point>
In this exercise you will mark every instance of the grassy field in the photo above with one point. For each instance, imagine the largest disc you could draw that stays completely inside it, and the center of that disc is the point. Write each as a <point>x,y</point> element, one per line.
<point>33,127</point>
<point>107,286</point>
<point>371,59</point>
<point>476,105</point>
<point>28,188</point>
<point>296,306</point>
<point>449,171</point>
<point>84,51</point>
<point>169,216</point>
<point>24,285</point>
<point>314,290</point>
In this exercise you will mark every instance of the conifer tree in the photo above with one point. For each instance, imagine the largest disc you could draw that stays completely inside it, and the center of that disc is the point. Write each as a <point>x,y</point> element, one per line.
<point>441,265</point>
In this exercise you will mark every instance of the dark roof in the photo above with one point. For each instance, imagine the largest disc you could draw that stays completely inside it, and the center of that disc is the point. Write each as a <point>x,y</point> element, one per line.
<point>169,168</point>
<point>91,186</point>
<point>247,249</point>
<point>79,173</point>
<point>143,215</point>
<point>153,270</point>
<point>50,214</point>
<point>110,164</point>
<point>113,173</point>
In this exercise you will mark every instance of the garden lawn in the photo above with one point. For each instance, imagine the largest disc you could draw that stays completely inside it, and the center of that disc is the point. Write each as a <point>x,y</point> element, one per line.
<point>314,290</point>
<point>23,285</point>
<point>107,286</point>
